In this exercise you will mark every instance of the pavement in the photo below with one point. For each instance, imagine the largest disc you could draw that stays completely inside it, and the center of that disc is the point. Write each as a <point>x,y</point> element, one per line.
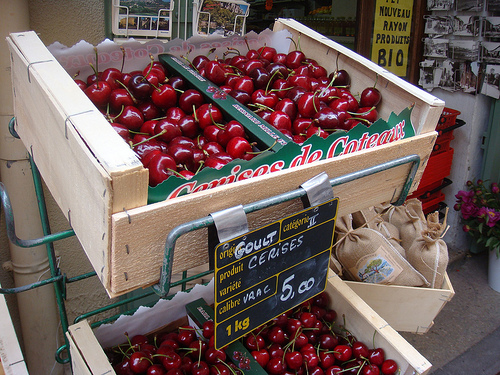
<point>465,337</point>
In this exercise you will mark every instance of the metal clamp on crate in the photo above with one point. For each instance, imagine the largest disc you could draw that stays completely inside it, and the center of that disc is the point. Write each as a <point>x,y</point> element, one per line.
<point>318,190</point>
<point>163,287</point>
<point>229,223</point>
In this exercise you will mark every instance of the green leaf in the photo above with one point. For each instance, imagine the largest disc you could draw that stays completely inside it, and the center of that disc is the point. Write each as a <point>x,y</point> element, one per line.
<point>490,241</point>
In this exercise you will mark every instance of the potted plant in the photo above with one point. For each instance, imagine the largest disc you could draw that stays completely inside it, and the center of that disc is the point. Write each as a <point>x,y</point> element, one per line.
<point>479,206</point>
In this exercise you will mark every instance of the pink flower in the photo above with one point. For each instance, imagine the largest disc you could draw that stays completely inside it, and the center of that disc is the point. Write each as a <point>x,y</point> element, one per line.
<point>465,196</point>
<point>490,215</point>
<point>494,188</point>
<point>468,210</point>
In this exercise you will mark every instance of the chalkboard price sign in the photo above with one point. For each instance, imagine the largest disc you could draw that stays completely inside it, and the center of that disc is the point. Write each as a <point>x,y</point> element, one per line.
<point>263,273</point>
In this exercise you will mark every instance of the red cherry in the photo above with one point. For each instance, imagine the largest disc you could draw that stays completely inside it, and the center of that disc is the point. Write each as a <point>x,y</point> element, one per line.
<point>370,369</point>
<point>280,120</point>
<point>275,366</point>
<point>334,370</point>
<point>112,76</point>
<point>293,360</point>
<point>267,53</point>
<point>268,99</point>
<point>122,131</point>
<point>261,356</point>
<point>140,86</point>
<point>238,147</point>
<point>327,359</point>
<point>208,329</point>
<point>216,161</point>
<point>167,130</point>
<point>213,356</point>
<point>164,96</point>
<point>214,72</point>
<point>81,84</point>
<point>308,104</point>
<point>138,362</point>
<point>294,59</point>
<point>360,350</point>
<point>311,359</point>
<point>131,117</point>
<point>277,335</point>
<point>376,356</point>
<point>156,369</point>
<point>120,98</point>
<point>161,167</point>
<point>254,342</point>
<point>342,352</point>
<point>174,114</point>
<point>370,97</point>
<point>189,127</point>
<point>200,368</point>
<point>307,319</point>
<point>190,100</point>
<point>328,341</point>
<point>149,110</point>
<point>208,114</point>
<point>99,93</point>
<point>389,367</point>
<point>288,106</point>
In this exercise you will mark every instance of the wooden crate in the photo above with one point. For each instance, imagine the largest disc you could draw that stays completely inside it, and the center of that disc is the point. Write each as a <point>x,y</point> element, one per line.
<point>361,320</point>
<point>11,357</point>
<point>405,308</point>
<point>101,186</point>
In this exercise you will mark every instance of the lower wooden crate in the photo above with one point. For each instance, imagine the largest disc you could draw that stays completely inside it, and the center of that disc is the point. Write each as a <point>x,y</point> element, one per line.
<point>11,357</point>
<point>406,309</point>
<point>360,319</point>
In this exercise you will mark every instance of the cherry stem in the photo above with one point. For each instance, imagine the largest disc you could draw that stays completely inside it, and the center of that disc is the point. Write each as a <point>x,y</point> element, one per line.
<point>128,90</point>
<point>361,113</point>
<point>294,43</point>
<point>123,58</point>
<point>260,152</point>
<point>96,74</point>
<point>96,62</point>
<point>229,367</point>
<point>180,175</point>
<point>145,140</point>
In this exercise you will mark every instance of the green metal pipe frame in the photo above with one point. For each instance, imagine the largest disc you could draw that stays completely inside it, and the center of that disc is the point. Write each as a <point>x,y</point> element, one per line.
<point>163,287</point>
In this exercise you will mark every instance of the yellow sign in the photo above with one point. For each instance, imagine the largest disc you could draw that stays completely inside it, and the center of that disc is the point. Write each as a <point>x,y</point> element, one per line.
<point>391,35</point>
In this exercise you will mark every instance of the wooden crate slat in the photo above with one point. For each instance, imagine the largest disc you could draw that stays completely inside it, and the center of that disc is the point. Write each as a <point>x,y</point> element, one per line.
<point>87,356</point>
<point>361,318</point>
<point>55,83</point>
<point>139,235</point>
<point>11,357</point>
<point>405,308</point>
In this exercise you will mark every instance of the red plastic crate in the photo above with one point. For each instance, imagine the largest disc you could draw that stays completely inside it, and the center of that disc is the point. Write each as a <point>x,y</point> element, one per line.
<point>447,119</point>
<point>431,203</point>
<point>438,167</point>
<point>443,142</point>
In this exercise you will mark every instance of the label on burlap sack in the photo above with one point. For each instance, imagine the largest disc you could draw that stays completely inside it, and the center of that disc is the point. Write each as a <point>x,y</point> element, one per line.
<point>379,267</point>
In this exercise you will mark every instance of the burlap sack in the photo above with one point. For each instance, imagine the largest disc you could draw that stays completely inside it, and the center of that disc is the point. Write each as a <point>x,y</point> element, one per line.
<point>366,255</point>
<point>368,217</point>
<point>409,218</point>
<point>429,252</point>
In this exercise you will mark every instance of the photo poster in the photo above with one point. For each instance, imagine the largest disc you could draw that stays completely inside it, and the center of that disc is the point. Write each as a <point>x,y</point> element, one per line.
<point>146,18</point>
<point>440,4</point>
<point>392,34</point>
<point>491,83</point>
<point>222,17</point>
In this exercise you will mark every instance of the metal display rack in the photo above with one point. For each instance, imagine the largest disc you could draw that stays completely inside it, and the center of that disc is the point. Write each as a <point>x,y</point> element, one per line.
<point>162,289</point>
